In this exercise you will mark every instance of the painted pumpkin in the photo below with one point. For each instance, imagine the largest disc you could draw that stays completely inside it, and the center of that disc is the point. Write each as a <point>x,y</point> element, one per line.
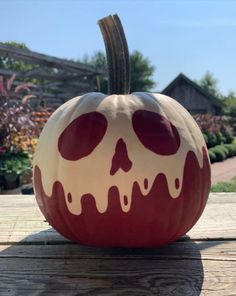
<point>126,170</point>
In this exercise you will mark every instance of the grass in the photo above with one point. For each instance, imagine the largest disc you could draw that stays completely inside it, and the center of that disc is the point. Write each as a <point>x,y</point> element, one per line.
<point>225,186</point>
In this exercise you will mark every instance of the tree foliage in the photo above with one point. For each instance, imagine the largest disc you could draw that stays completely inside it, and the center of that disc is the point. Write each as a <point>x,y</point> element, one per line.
<point>98,60</point>
<point>18,65</point>
<point>230,104</point>
<point>15,65</point>
<point>141,71</point>
<point>209,83</point>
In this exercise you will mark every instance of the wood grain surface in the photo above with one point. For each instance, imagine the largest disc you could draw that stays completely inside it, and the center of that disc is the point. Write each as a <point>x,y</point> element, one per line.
<point>36,260</point>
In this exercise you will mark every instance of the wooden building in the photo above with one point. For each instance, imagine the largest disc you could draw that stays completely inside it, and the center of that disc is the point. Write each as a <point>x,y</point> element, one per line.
<point>192,96</point>
<point>57,79</point>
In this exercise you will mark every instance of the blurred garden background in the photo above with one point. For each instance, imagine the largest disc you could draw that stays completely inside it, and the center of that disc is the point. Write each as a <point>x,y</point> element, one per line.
<point>35,80</point>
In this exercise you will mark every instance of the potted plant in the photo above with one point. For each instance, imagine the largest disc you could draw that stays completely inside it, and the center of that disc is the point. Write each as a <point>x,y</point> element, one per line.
<point>11,167</point>
<point>18,133</point>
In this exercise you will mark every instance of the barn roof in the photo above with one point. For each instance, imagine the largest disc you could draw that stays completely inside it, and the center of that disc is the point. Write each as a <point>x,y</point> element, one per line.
<point>181,77</point>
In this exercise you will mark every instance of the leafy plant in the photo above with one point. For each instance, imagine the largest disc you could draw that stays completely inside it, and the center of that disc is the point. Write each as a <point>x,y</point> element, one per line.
<point>14,164</point>
<point>8,91</point>
<point>212,156</point>
<point>225,186</point>
<point>217,129</point>
<point>17,131</point>
<point>221,152</point>
<point>231,149</point>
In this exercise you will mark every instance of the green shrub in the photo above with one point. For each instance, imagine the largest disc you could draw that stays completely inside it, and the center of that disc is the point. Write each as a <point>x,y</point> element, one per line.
<point>224,186</point>
<point>225,149</point>
<point>231,148</point>
<point>212,156</point>
<point>220,139</point>
<point>219,152</point>
<point>234,147</point>
<point>211,140</point>
<point>229,138</point>
<point>14,163</point>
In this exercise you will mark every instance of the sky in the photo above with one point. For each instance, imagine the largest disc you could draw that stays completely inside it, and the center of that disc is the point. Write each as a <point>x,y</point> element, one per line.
<point>187,36</point>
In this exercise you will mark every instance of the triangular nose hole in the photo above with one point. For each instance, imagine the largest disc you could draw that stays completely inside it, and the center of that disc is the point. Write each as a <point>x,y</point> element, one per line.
<point>120,160</point>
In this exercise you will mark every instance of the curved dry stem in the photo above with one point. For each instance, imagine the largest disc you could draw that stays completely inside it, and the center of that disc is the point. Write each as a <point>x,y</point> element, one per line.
<point>117,54</point>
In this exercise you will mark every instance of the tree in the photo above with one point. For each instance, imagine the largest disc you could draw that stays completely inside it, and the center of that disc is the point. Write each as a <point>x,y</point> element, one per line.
<point>230,104</point>
<point>141,71</point>
<point>98,60</point>
<point>15,65</point>
<point>18,65</point>
<point>230,108</point>
<point>209,83</point>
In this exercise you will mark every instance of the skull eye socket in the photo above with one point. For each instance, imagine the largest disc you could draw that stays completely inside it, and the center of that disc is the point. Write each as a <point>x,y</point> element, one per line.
<point>155,132</point>
<point>82,136</point>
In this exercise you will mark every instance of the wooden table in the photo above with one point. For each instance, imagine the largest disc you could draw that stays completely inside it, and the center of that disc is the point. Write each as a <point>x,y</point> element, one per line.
<point>36,260</point>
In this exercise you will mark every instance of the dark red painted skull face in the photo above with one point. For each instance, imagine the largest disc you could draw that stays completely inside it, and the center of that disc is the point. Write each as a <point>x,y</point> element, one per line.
<point>110,150</point>
<point>84,134</point>
<point>114,174</point>
<point>156,132</point>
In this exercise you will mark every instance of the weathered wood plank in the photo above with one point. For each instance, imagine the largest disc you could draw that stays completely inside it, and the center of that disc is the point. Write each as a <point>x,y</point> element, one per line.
<point>202,250</point>
<point>116,277</point>
<point>62,268</point>
<point>217,222</point>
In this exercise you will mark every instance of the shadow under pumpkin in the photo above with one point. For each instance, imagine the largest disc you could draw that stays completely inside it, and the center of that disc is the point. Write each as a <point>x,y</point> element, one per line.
<point>61,269</point>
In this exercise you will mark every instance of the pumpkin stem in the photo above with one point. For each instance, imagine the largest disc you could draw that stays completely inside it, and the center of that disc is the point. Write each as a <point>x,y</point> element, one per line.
<point>117,54</point>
